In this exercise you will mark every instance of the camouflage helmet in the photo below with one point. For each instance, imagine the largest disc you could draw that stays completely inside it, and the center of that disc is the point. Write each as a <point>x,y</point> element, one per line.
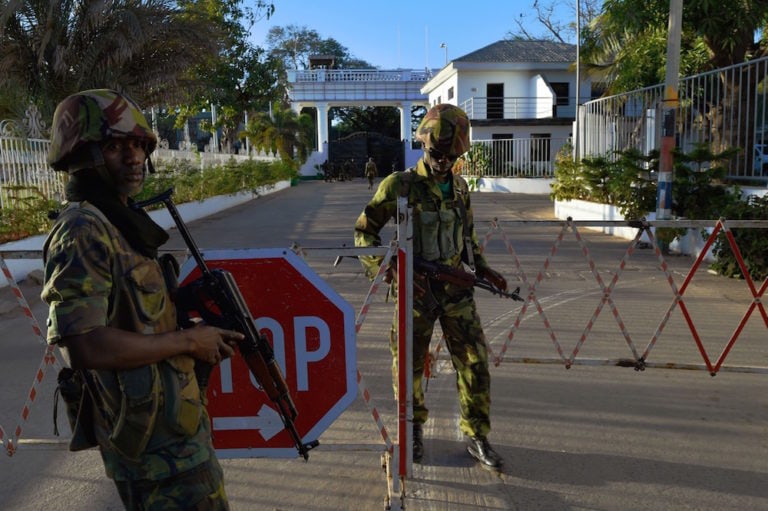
<point>445,128</point>
<point>93,116</point>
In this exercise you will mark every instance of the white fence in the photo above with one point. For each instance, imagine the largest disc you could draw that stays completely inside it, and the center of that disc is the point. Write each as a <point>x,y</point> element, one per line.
<point>25,174</point>
<point>518,157</point>
<point>725,108</point>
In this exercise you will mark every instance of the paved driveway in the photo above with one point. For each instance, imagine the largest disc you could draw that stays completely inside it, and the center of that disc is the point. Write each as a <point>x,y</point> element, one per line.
<point>595,436</point>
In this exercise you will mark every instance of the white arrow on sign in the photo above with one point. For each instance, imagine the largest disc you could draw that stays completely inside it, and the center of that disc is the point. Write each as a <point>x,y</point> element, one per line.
<point>267,422</point>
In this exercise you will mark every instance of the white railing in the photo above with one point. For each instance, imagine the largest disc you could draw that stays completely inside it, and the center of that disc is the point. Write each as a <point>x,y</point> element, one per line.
<point>725,108</point>
<point>358,75</point>
<point>485,108</point>
<point>24,171</point>
<point>206,159</point>
<point>519,157</point>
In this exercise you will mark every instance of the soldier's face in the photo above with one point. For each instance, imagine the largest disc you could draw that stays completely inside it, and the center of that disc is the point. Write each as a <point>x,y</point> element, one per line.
<point>440,163</point>
<point>124,159</point>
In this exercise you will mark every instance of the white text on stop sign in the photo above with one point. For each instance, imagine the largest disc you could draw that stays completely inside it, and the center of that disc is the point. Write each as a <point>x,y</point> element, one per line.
<point>303,356</point>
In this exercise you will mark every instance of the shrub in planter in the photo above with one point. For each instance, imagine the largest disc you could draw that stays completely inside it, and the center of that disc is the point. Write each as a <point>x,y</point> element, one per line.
<point>699,192</point>
<point>752,243</point>
<point>569,182</point>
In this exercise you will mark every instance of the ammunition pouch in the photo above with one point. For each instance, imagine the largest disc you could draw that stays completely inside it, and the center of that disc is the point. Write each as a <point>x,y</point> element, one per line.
<point>79,408</point>
<point>139,407</point>
<point>183,405</point>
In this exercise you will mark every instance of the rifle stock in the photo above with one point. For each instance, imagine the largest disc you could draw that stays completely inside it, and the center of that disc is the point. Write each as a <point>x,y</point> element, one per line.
<point>217,300</point>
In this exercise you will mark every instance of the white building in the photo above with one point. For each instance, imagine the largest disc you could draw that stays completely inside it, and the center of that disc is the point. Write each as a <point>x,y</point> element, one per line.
<point>520,97</point>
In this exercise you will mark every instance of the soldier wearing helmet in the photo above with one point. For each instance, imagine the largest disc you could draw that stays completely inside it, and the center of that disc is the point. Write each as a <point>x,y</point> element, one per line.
<point>111,313</point>
<point>443,229</point>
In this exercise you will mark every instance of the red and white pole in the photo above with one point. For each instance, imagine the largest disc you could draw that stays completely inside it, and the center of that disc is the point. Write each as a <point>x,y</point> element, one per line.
<point>404,339</point>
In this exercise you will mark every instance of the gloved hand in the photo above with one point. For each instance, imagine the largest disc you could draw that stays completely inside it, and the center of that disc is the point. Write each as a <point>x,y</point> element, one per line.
<point>494,277</point>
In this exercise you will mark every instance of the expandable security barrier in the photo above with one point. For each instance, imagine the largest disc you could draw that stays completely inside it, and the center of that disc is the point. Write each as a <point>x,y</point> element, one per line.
<point>397,455</point>
<point>639,356</point>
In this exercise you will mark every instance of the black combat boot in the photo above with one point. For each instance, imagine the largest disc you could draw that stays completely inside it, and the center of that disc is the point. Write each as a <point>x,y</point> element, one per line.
<point>479,448</point>
<point>418,443</point>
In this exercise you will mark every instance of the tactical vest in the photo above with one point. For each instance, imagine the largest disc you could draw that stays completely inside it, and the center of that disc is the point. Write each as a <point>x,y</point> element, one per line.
<point>440,226</point>
<point>142,409</point>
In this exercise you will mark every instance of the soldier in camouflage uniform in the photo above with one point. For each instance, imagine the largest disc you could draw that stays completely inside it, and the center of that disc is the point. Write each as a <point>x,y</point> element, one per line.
<point>444,233</point>
<point>112,315</point>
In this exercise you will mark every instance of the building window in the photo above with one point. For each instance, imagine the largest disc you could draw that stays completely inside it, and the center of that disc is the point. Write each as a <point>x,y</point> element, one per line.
<point>540,146</point>
<point>450,93</point>
<point>562,91</point>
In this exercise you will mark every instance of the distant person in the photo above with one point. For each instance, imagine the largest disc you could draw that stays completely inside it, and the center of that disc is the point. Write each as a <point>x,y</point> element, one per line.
<point>111,313</point>
<point>346,170</point>
<point>443,232</point>
<point>371,172</point>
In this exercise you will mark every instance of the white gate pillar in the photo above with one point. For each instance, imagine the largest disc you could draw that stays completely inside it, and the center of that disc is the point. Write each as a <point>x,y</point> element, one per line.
<point>405,122</point>
<point>322,126</point>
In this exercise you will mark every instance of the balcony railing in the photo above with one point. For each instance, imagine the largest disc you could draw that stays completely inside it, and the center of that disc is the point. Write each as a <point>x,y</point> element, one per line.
<point>358,75</point>
<point>499,108</point>
<point>520,157</point>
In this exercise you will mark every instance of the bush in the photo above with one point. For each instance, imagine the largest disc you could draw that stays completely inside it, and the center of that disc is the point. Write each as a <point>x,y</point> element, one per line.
<point>629,183</point>
<point>752,243</point>
<point>569,183</point>
<point>192,184</point>
<point>32,212</point>
<point>29,215</point>
<point>626,183</point>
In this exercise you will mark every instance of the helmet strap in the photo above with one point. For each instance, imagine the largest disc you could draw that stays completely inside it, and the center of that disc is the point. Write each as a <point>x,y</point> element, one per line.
<point>97,157</point>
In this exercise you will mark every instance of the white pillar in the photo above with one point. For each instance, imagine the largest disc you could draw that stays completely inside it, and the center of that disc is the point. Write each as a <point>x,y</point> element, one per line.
<point>322,126</point>
<point>214,133</point>
<point>247,143</point>
<point>405,122</point>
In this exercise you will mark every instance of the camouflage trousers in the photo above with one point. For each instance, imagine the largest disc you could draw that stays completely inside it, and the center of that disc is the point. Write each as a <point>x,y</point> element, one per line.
<point>199,489</point>
<point>465,341</point>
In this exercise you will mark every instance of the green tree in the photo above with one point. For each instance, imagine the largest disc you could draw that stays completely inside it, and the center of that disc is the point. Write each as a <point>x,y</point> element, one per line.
<point>626,43</point>
<point>625,47</point>
<point>293,45</point>
<point>240,77</point>
<point>282,132</point>
<point>52,49</point>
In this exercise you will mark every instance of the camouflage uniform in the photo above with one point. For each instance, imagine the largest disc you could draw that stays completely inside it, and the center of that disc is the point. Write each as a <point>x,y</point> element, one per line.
<point>150,423</point>
<point>371,172</point>
<point>438,228</point>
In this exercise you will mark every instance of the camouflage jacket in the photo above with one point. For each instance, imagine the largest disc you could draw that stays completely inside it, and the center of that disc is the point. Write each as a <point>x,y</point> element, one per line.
<point>151,421</point>
<point>438,223</point>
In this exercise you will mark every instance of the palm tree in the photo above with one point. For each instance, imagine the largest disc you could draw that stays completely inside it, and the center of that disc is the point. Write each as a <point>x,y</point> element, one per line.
<point>282,132</point>
<point>53,48</point>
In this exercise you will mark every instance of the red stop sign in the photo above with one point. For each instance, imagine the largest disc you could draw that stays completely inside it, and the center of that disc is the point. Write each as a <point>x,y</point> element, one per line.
<point>312,332</point>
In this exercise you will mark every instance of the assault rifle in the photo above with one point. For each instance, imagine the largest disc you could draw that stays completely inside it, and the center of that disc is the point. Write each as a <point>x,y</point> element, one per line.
<point>461,278</point>
<point>457,276</point>
<point>215,297</point>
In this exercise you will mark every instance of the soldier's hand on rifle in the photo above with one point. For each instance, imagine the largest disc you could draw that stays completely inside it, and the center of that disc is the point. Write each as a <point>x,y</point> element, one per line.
<point>212,344</point>
<point>494,277</point>
<point>420,282</point>
<point>391,275</point>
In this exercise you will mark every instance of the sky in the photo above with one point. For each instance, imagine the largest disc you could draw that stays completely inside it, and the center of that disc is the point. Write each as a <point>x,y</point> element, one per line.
<point>403,34</point>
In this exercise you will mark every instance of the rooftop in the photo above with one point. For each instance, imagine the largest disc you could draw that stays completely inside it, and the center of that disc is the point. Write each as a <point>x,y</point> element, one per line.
<point>510,51</point>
